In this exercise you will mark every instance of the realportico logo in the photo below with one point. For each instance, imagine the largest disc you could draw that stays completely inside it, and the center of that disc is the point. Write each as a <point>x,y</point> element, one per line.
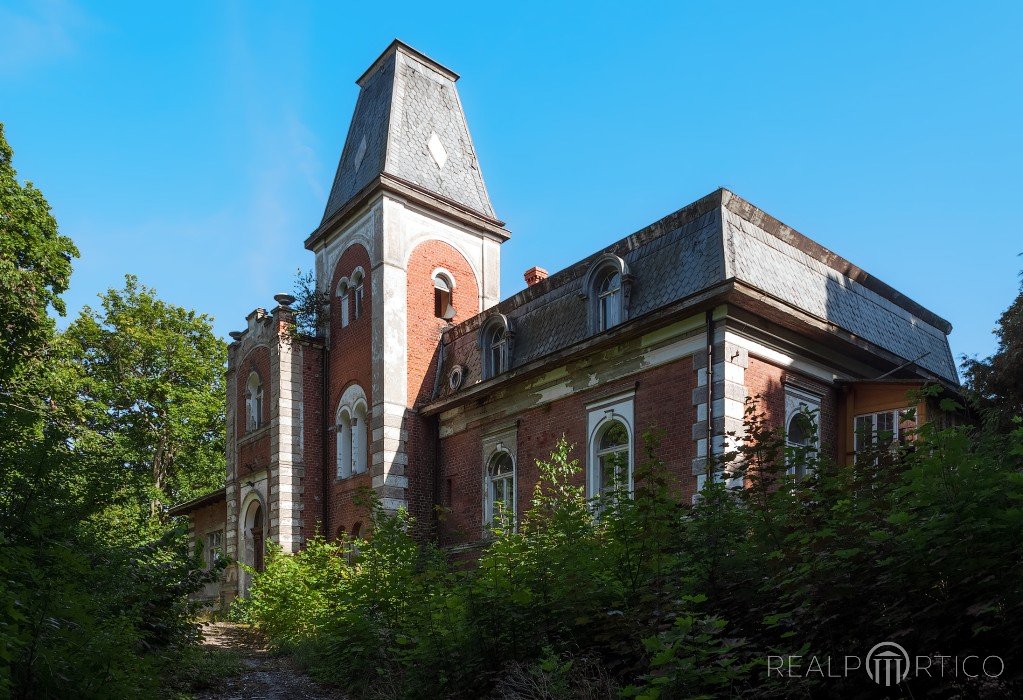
<point>887,664</point>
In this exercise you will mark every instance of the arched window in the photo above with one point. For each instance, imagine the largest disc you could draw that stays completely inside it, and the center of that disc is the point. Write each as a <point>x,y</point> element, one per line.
<point>801,411</point>
<point>344,443</point>
<point>495,346</point>
<point>500,499</point>
<point>607,284</point>
<point>612,458</point>
<point>609,303</point>
<point>352,425</point>
<point>357,291</point>
<point>253,402</point>
<point>343,292</point>
<point>360,439</point>
<point>443,287</point>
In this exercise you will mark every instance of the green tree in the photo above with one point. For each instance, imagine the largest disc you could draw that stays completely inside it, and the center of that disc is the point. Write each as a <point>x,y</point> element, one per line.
<point>997,381</point>
<point>152,376</point>
<point>35,268</point>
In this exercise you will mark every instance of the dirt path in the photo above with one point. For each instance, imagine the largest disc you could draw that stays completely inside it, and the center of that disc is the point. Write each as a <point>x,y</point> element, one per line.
<point>263,676</point>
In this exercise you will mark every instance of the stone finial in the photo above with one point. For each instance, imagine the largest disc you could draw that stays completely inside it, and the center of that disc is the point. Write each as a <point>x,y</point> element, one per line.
<point>535,275</point>
<point>285,300</point>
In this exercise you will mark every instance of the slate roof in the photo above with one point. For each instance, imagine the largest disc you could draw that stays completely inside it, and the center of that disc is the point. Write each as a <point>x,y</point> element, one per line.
<point>718,238</point>
<point>406,98</point>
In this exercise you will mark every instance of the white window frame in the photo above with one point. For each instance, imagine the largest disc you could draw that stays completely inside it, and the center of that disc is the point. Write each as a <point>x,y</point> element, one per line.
<point>342,295</point>
<point>358,291</point>
<point>352,434</point>
<point>488,494</point>
<point>600,414</point>
<point>253,402</point>
<point>213,547</point>
<point>897,432</point>
<point>497,323</point>
<point>609,301</point>
<point>497,440</point>
<point>599,319</point>
<point>796,400</point>
<point>443,283</point>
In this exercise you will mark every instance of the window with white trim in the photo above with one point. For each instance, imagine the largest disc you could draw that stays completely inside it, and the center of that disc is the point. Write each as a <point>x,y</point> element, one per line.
<point>360,438</point>
<point>609,302</point>
<point>612,456</point>
<point>872,431</point>
<point>213,548</point>
<point>344,443</point>
<point>611,431</point>
<point>343,301</point>
<point>357,293</point>
<point>802,411</point>
<point>607,284</point>
<point>495,346</point>
<point>352,433</point>
<point>443,288</point>
<point>500,499</point>
<point>253,402</point>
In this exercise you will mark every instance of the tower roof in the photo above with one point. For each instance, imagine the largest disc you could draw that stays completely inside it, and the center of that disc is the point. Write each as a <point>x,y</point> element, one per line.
<point>409,129</point>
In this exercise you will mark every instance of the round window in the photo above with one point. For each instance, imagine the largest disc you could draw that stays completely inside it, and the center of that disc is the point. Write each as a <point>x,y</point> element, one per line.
<point>455,377</point>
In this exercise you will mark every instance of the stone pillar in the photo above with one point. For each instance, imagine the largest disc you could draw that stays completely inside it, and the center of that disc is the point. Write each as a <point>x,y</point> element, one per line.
<point>728,396</point>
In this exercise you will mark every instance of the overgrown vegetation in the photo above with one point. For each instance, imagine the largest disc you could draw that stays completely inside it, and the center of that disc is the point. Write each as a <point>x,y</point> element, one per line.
<point>99,426</point>
<point>921,544</point>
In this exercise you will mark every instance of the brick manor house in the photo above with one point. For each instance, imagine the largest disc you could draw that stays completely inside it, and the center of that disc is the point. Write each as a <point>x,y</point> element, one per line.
<point>426,387</point>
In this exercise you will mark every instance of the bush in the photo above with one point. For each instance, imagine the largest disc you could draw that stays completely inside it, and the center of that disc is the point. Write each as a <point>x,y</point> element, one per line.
<point>645,597</point>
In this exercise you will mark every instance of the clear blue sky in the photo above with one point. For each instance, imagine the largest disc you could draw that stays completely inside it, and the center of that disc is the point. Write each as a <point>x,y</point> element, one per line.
<point>193,144</point>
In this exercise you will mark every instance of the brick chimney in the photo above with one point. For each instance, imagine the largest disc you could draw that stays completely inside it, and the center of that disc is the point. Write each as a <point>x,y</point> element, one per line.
<point>535,275</point>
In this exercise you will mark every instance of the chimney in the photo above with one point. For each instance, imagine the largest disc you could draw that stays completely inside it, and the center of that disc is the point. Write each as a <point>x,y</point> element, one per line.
<point>535,275</point>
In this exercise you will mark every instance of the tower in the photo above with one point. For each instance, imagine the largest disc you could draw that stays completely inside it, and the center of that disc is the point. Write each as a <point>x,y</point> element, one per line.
<point>409,243</point>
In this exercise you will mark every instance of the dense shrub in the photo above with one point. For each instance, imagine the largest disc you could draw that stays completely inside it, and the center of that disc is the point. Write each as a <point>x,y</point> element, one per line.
<point>642,596</point>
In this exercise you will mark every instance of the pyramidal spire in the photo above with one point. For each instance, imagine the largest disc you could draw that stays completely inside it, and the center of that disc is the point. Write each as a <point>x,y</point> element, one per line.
<point>409,132</point>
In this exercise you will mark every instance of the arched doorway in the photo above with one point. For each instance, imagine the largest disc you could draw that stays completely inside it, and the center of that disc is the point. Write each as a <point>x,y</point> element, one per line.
<point>254,536</point>
<point>258,545</point>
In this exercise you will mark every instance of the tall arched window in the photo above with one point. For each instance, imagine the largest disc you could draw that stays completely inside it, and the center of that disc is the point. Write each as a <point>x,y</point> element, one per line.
<point>500,500</point>
<point>253,402</point>
<point>352,433</point>
<point>495,346</point>
<point>357,291</point>
<point>607,284</point>
<point>343,293</point>
<point>344,443</point>
<point>443,287</point>
<point>360,439</point>
<point>612,457</point>
<point>801,411</point>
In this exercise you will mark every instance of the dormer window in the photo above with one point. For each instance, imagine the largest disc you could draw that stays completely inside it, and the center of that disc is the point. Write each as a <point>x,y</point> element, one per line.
<point>253,402</point>
<point>495,345</point>
<point>442,290</point>
<point>609,303</point>
<point>607,285</point>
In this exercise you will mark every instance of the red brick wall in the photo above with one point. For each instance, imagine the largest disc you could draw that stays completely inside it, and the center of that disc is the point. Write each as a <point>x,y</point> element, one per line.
<point>350,361</point>
<point>209,518</point>
<point>768,381</point>
<point>424,330</point>
<point>312,440</point>
<point>663,399</point>
<point>253,455</point>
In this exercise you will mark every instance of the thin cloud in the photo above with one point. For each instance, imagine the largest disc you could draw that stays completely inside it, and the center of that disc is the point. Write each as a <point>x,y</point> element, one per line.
<point>39,33</point>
